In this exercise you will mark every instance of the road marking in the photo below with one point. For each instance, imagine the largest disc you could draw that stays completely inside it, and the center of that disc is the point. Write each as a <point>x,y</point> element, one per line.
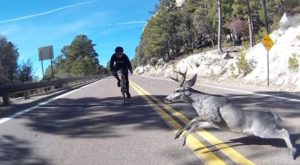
<point>6,119</point>
<point>224,148</point>
<point>253,93</point>
<point>193,143</point>
<point>236,90</point>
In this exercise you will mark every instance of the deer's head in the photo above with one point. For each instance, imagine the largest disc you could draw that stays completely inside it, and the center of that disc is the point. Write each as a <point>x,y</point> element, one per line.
<point>183,92</point>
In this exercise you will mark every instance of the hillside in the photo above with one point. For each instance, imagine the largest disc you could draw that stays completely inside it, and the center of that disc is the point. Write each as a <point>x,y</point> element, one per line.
<point>210,65</point>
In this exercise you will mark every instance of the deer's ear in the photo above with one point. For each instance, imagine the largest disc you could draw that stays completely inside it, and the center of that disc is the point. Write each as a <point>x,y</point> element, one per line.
<point>191,82</point>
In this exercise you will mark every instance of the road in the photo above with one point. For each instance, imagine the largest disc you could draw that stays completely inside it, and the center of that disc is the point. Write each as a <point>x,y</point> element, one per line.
<point>90,125</point>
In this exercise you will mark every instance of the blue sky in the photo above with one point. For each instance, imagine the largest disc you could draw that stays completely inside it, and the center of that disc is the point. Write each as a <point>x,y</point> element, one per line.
<point>31,24</point>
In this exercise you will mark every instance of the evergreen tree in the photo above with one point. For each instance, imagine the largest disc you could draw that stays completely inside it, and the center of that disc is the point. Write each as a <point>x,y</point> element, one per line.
<point>77,59</point>
<point>219,2</point>
<point>25,72</point>
<point>8,59</point>
<point>173,31</point>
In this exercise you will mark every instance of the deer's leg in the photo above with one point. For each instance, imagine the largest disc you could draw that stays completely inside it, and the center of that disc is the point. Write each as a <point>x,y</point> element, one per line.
<point>192,125</point>
<point>284,134</point>
<point>187,126</point>
<point>189,131</point>
<point>281,134</point>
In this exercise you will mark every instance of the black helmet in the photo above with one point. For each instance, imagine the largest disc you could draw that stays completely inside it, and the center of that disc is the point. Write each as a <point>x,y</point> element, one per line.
<point>119,49</point>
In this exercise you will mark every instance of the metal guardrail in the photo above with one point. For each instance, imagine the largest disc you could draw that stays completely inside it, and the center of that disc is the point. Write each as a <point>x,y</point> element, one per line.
<point>8,89</point>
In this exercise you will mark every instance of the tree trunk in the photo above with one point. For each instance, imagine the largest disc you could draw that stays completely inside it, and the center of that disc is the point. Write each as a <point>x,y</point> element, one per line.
<point>210,34</point>
<point>266,15</point>
<point>250,23</point>
<point>220,27</point>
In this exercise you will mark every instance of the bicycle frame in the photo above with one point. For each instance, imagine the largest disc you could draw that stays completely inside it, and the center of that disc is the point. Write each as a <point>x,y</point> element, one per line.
<point>122,84</point>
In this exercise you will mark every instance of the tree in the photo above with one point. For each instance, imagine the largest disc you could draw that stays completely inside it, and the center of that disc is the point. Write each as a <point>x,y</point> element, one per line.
<point>77,59</point>
<point>173,31</point>
<point>25,72</point>
<point>266,15</point>
<point>3,78</point>
<point>204,21</point>
<point>8,59</point>
<point>187,30</point>
<point>220,27</point>
<point>250,23</point>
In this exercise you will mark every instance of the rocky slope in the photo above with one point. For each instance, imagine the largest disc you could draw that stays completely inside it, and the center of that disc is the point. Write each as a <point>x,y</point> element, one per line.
<point>210,65</point>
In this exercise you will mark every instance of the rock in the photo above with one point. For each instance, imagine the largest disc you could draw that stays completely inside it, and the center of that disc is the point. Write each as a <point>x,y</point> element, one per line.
<point>292,7</point>
<point>139,70</point>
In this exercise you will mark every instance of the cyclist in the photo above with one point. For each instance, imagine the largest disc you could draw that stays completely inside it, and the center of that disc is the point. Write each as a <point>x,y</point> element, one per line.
<point>120,60</point>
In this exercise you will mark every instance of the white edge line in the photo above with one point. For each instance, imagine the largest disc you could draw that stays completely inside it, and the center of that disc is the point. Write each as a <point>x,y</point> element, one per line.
<point>236,90</point>
<point>6,119</point>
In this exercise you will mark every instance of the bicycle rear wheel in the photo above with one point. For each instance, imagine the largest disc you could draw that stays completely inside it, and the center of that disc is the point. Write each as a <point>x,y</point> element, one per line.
<point>123,90</point>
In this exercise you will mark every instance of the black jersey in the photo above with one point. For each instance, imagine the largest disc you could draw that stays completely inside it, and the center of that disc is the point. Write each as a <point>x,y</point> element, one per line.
<point>120,62</point>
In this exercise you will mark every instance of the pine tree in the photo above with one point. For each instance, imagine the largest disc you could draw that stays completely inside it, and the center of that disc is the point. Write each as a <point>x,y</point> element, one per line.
<point>8,59</point>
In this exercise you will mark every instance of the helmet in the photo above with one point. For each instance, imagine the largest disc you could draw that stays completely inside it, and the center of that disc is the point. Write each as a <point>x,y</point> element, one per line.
<point>119,49</point>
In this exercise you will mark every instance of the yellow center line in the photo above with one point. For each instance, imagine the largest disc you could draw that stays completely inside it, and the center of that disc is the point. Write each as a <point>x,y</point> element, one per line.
<point>192,142</point>
<point>223,147</point>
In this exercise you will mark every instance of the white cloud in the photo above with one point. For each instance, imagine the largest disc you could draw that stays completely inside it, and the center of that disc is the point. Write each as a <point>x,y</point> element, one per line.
<point>46,12</point>
<point>131,22</point>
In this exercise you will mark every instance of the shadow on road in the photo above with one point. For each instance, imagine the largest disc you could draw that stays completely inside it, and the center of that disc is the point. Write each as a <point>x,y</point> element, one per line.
<point>93,117</point>
<point>17,151</point>
<point>282,106</point>
<point>14,108</point>
<point>253,140</point>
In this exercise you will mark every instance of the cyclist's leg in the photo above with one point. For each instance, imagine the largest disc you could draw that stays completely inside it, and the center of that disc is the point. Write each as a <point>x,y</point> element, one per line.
<point>125,72</point>
<point>116,75</point>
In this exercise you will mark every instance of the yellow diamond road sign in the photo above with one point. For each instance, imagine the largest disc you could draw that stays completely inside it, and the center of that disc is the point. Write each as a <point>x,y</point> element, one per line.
<point>267,42</point>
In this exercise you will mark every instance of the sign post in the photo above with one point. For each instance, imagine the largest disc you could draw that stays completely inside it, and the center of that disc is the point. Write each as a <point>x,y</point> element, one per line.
<point>268,44</point>
<point>44,54</point>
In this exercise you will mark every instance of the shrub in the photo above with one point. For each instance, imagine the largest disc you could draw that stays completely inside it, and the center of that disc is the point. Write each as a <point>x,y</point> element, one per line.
<point>293,63</point>
<point>153,61</point>
<point>243,65</point>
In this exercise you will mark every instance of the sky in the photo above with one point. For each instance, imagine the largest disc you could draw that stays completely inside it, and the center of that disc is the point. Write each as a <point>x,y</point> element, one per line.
<point>31,24</point>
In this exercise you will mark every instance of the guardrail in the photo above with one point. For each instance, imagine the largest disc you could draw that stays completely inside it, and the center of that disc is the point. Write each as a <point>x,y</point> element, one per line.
<point>8,89</point>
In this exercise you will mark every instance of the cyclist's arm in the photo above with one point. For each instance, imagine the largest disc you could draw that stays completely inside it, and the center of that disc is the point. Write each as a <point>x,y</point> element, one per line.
<point>128,63</point>
<point>112,61</point>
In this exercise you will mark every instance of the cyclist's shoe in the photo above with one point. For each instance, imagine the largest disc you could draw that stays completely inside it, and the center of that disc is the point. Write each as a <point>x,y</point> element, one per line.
<point>128,95</point>
<point>118,84</point>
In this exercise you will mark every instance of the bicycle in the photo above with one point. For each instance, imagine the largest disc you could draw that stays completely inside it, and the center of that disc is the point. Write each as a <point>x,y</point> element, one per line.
<point>122,85</point>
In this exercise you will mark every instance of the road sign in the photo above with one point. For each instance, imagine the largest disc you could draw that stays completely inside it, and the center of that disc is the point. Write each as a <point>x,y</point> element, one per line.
<point>267,42</point>
<point>46,53</point>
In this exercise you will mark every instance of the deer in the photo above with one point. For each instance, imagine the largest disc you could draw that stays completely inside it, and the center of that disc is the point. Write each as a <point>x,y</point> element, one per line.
<point>222,114</point>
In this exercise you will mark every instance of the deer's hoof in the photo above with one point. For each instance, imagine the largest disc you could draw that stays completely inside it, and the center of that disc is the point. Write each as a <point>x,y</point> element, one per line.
<point>293,153</point>
<point>184,142</point>
<point>177,135</point>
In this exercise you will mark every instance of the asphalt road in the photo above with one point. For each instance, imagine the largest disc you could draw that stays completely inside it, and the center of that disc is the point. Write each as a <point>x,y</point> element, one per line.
<point>90,125</point>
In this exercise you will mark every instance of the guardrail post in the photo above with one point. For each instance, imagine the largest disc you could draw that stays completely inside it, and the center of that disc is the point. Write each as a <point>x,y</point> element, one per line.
<point>27,95</point>
<point>66,85</point>
<point>5,100</point>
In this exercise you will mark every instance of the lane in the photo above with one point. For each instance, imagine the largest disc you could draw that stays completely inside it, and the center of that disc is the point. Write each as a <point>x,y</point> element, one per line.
<point>260,151</point>
<point>32,106</point>
<point>192,142</point>
<point>91,126</point>
<point>224,148</point>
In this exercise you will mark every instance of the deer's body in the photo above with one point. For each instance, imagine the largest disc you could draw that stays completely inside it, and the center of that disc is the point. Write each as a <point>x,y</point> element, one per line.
<point>222,111</point>
<point>224,115</point>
